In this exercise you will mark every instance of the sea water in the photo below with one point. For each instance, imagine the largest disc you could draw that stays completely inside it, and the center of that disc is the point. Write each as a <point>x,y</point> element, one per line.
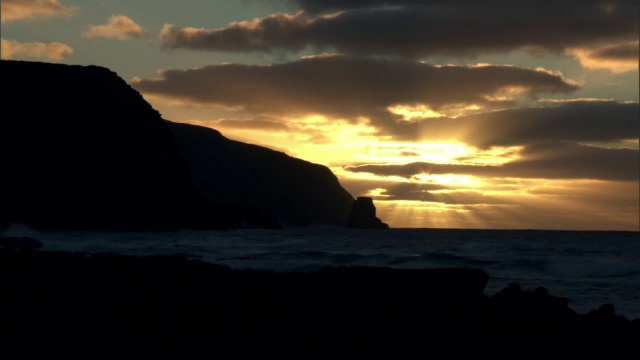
<point>590,268</point>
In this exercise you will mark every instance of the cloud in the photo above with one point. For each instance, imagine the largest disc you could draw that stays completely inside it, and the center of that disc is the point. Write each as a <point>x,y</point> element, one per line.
<point>38,50</point>
<point>118,27</point>
<point>320,139</point>
<point>502,202</point>
<point>274,31</point>
<point>585,121</point>
<point>422,192</point>
<point>328,6</point>
<point>616,58</point>
<point>14,10</point>
<point>349,87</point>
<point>419,28</point>
<point>409,154</point>
<point>258,123</point>
<point>552,204</point>
<point>542,161</point>
<point>324,6</point>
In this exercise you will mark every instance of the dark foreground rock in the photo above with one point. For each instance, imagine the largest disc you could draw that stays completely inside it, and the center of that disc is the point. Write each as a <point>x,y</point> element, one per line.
<point>19,243</point>
<point>110,306</point>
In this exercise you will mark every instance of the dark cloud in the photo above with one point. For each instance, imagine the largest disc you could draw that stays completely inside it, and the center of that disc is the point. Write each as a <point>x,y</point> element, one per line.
<point>432,193</point>
<point>409,154</point>
<point>392,189</point>
<point>604,121</point>
<point>258,123</point>
<point>278,31</point>
<point>410,170</point>
<point>575,161</point>
<point>418,28</point>
<point>418,192</point>
<point>542,161</point>
<point>320,139</point>
<point>364,187</point>
<point>328,6</point>
<point>410,191</point>
<point>617,58</point>
<point>553,204</point>
<point>628,51</point>
<point>347,87</point>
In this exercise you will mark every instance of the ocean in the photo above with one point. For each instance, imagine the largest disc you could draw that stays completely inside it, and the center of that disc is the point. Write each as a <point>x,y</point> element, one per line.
<point>589,268</point>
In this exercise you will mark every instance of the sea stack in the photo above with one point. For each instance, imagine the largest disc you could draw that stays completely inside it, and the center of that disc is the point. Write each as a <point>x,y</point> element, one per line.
<point>363,215</point>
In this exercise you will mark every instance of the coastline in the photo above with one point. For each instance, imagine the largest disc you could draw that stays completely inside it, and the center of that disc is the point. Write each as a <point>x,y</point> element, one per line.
<point>80,305</point>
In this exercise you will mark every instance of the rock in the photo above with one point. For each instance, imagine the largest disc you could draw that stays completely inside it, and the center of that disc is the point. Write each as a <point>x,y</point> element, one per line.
<point>605,310</point>
<point>232,173</point>
<point>85,151</point>
<point>532,304</point>
<point>13,243</point>
<point>110,306</point>
<point>363,215</point>
<point>82,150</point>
<point>606,314</point>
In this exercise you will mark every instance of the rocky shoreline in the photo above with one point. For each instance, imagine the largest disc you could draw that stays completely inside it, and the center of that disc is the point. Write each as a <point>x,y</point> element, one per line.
<point>107,306</point>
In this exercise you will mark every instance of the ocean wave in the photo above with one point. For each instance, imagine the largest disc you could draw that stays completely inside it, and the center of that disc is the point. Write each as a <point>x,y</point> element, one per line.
<point>591,268</point>
<point>451,259</point>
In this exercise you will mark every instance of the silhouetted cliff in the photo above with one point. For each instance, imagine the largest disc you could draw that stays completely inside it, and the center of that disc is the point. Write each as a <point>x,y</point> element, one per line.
<point>230,172</point>
<point>81,149</point>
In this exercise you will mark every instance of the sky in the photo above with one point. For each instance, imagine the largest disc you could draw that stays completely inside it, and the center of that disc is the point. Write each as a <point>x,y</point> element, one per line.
<point>450,114</point>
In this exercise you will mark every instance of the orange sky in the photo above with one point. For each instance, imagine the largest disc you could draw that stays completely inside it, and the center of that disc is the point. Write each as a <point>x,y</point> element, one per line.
<point>449,114</point>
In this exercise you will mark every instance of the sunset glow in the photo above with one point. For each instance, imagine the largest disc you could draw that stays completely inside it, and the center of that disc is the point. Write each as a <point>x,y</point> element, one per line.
<point>534,126</point>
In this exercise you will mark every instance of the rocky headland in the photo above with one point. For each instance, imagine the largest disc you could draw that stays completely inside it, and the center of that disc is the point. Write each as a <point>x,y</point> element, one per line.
<point>229,172</point>
<point>83,150</point>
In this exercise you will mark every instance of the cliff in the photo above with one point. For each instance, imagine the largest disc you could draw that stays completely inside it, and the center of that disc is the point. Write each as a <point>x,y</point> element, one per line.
<point>81,149</point>
<point>230,172</point>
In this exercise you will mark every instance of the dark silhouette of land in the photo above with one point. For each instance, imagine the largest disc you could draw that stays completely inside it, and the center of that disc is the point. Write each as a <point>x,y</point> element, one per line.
<point>363,215</point>
<point>230,172</point>
<point>80,149</point>
<point>110,306</point>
